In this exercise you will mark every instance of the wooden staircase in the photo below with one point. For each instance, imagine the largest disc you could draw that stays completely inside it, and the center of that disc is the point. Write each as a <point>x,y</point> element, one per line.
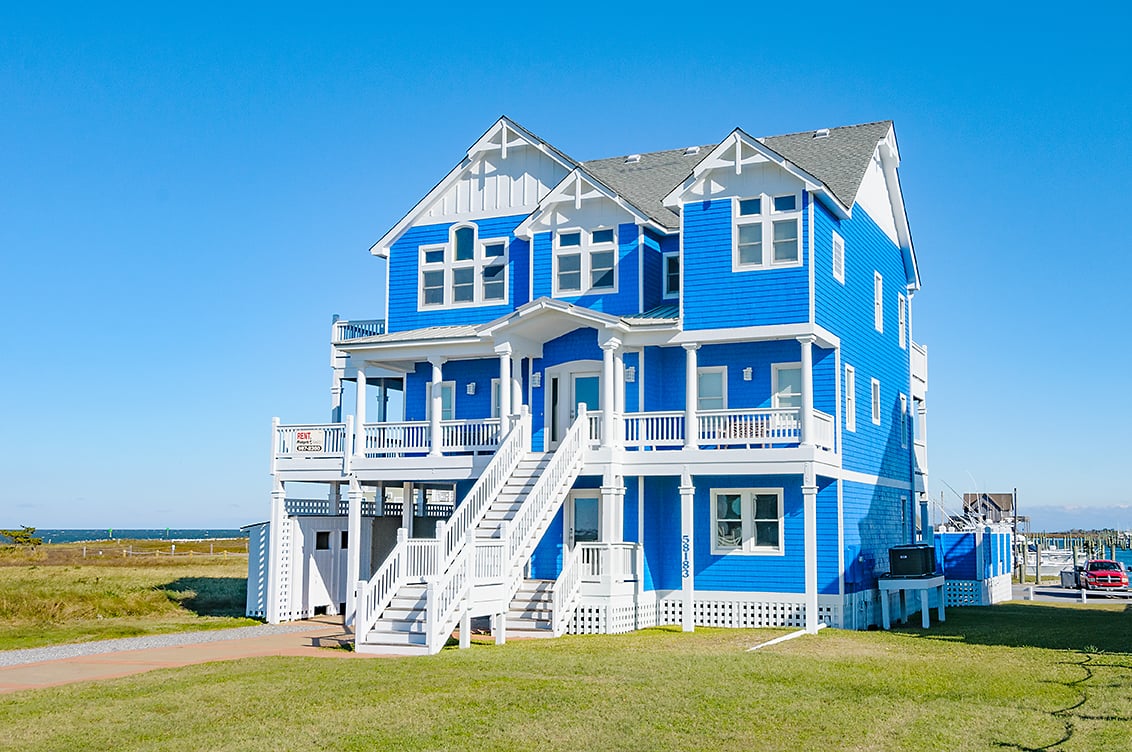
<point>532,610</point>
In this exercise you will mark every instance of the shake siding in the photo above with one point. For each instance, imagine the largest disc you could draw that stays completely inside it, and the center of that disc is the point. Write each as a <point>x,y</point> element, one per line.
<point>715,296</point>
<point>825,380</point>
<point>580,344</point>
<point>627,298</point>
<point>782,573</point>
<point>542,256</point>
<point>873,522</point>
<point>463,372</point>
<point>629,529</point>
<point>759,356</point>
<point>662,533</point>
<point>404,276</point>
<point>828,579</point>
<point>847,311</point>
<point>546,561</point>
<point>632,403</point>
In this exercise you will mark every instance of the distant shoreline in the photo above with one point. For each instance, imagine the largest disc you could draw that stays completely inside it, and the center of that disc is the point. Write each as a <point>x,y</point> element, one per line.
<point>110,535</point>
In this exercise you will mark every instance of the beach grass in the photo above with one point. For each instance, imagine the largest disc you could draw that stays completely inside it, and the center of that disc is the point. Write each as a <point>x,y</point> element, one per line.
<point>57,595</point>
<point>1016,676</point>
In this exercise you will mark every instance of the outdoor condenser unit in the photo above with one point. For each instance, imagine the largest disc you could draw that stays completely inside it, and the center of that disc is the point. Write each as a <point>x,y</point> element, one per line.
<point>911,560</point>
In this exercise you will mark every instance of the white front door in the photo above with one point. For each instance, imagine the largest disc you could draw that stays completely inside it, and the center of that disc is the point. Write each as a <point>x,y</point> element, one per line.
<point>570,384</point>
<point>583,518</point>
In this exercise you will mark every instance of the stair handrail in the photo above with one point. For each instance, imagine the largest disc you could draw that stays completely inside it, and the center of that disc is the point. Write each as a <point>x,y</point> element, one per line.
<point>565,591</point>
<point>446,599</point>
<point>491,481</point>
<point>374,597</point>
<point>545,498</point>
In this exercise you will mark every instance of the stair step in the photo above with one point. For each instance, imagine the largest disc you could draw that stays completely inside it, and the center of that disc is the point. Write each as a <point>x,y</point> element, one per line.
<point>396,638</point>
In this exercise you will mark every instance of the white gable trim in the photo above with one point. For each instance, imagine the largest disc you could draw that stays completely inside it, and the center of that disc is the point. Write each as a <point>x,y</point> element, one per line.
<point>740,149</point>
<point>890,160</point>
<point>577,188</point>
<point>503,135</point>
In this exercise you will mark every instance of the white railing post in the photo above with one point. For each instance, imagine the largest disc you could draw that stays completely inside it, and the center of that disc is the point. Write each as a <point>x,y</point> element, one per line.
<point>350,444</point>
<point>807,437</point>
<point>608,393</point>
<point>436,407</point>
<point>274,443</point>
<point>430,614</point>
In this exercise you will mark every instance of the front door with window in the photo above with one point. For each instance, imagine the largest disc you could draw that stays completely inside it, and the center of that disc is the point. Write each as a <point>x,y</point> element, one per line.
<point>583,518</point>
<point>569,387</point>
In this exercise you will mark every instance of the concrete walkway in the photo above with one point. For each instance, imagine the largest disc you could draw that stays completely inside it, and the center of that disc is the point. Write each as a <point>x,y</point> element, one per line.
<point>321,632</point>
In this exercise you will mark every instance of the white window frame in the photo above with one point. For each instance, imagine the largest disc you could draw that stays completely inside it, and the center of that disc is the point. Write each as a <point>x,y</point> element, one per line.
<point>495,399</point>
<point>878,302</point>
<point>669,293</point>
<point>850,398</point>
<point>874,400</point>
<point>774,370</point>
<point>767,217</point>
<point>903,421</point>
<point>722,370</point>
<point>450,385</point>
<point>838,257</point>
<point>901,319</point>
<point>479,262</point>
<point>747,546</point>
<point>585,250</point>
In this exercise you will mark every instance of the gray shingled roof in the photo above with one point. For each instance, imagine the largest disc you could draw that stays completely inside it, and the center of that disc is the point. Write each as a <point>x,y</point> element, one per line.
<point>645,183</point>
<point>839,160</point>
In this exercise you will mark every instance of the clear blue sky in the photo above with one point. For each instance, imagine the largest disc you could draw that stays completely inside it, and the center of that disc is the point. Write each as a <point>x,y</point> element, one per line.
<point>187,195</point>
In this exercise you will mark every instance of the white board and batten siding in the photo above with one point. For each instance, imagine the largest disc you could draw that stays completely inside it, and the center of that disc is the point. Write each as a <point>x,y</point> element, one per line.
<point>493,185</point>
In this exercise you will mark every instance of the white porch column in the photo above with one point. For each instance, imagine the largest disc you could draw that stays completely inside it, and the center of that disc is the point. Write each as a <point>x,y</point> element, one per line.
<point>687,552</point>
<point>517,387</point>
<point>336,397</point>
<point>278,571</point>
<point>408,505</point>
<point>612,497</point>
<point>505,391</point>
<point>608,400</point>
<point>436,407</point>
<point>360,414</point>
<point>691,398</point>
<point>807,343</point>
<point>354,556</point>
<point>810,526</point>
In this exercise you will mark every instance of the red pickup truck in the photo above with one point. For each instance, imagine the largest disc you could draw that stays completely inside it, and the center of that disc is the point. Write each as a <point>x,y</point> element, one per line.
<point>1102,574</point>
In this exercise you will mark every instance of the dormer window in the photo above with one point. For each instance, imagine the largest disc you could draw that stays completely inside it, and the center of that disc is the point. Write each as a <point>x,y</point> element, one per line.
<point>466,271</point>
<point>766,232</point>
<point>585,262</point>
<point>672,274</point>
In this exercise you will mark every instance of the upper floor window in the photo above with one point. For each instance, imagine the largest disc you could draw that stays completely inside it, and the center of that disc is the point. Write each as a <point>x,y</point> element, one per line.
<point>876,401</point>
<point>767,231</point>
<point>878,302</point>
<point>787,378</point>
<point>671,271</point>
<point>585,261</point>
<point>711,388</point>
<point>463,272</point>
<point>850,398</point>
<point>838,258</point>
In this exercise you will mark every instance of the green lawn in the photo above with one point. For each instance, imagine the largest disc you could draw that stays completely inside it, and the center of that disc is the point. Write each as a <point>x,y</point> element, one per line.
<point>1016,676</point>
<point>56,596</point>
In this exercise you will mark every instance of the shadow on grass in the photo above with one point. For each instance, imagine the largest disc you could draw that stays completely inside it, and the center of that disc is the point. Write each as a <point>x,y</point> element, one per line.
<point>208,596</point>
<point>1036,625</point>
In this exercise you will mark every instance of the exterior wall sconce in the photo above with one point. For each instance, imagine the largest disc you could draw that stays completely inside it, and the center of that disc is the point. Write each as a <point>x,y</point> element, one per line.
<point>748,373</point>
<point>471,387</point>
<point>536,379</point>
<point>630,374</point>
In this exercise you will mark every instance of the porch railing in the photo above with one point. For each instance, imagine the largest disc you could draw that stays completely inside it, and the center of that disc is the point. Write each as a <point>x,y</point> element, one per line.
<point>662,429</point>
<point>608,562</point>
<point>396,439</point>
<point>566,591</point>
<point>824,431</point>
<point>469,435</point>
<point>747,428</point>
<point>344,331</point>
<point>310,440</point>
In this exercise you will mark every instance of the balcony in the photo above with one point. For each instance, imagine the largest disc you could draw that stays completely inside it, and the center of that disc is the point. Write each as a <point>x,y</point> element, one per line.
<point>749,428</point>
<point>345,331</point>
<point>919,370</point>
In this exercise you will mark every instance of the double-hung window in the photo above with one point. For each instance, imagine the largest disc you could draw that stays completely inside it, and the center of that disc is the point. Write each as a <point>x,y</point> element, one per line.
<point>447,400</point>
<point>585,261</point>
<point>767,232</point>
<point>747,520</point>
<point>878,302</point>
<point>466,271</point>
<point>711,388</point>
<point>850,398</point>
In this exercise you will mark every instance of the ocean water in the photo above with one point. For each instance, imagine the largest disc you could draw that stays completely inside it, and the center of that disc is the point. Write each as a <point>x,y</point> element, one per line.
<point>171,534</point>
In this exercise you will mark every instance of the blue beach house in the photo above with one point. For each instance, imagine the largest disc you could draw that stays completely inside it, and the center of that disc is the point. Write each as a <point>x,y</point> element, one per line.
<point>676,387</point>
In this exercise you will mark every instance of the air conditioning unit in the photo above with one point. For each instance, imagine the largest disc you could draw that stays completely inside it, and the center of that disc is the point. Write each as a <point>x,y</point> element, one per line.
<point>911,560</point>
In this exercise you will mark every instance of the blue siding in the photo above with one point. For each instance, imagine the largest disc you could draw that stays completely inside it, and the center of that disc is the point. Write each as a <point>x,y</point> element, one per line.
<point>580,344</point>
<point>714,296</point>
<point>632,401</point>
<point>546,561</point>
<point>662,533</point>
<point>655,246</point>
<point>621,303</point>
<point>874,520</point>
<point>463,372</point>
<point>404,267</point>
<point>847,311</point>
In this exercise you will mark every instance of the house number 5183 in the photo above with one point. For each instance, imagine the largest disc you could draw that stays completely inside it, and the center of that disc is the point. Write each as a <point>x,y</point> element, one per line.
<point>685,562</point>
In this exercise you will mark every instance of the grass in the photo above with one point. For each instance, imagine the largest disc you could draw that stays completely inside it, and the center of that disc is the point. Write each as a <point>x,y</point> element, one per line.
<point>1016,676</point>
<point>57,595</point>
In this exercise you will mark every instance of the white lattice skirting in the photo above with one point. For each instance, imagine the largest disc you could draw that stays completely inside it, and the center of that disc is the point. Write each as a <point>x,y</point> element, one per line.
<point>979,592</point>
<point>737,613</point>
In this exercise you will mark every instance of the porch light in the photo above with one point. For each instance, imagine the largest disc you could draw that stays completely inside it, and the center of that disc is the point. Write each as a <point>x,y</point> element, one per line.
<point>471,387</point>
<point>630,374</point>
<point>748,373</point>
<point>536,379</point>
